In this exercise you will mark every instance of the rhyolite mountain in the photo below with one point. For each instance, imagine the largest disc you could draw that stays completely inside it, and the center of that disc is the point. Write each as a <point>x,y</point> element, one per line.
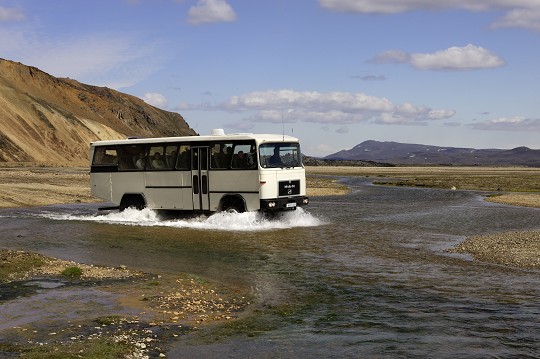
<point>416,154</point>
<point>52,120</point>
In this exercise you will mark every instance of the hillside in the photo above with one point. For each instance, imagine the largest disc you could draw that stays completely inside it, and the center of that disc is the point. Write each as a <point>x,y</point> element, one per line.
<point>415,154</point>
<point>53,120</point>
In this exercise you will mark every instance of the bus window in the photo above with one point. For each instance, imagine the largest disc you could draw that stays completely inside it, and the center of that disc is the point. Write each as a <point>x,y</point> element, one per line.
<point>280,155</point>
<point>156,158</point>
<point>221,155</point>
<point>131,157</point>
<point>140,158</point>
<point>183,161</point>
<point>104,155</point>
<point>171,153</point>
<point>244,157</point>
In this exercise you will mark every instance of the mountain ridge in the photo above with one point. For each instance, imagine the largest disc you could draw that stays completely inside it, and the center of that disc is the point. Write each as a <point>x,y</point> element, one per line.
<point>418,154</point>
<point>53,120</point>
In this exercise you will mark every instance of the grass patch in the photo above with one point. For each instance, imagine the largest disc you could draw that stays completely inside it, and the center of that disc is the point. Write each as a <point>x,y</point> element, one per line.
<point>13,263</point>
<point>72,272</point>
<point>94,349</point>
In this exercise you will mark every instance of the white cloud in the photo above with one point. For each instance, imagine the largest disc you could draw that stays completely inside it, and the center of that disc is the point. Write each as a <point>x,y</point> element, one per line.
<point>337,108</point>
<point>155,99</point>
<point>11,14</point>
<point>210,11</point>
<point>516,123</point>
<point>519,13</point>
<point>455,58</point>
<point>524,18</point>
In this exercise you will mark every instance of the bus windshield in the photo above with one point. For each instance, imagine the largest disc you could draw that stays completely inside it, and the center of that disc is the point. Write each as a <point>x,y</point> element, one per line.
<point>280,155</point>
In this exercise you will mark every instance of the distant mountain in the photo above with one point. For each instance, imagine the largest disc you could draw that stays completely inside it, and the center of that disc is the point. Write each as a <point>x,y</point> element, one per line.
<point>53,120</point>
<point>415,154</point>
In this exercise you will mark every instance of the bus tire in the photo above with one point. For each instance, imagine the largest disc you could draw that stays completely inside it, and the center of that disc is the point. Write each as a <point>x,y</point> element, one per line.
<point>132,201</point>
<point>233,204</point>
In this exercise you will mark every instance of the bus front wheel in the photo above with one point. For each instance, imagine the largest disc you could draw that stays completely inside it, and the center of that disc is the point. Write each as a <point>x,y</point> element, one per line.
<point>132,201</point>
<point>232,205</point>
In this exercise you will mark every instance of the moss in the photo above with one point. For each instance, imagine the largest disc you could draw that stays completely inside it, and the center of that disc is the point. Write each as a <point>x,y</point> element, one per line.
<point>13,263</point>
<point>94,349</point>
<point>72,272</point>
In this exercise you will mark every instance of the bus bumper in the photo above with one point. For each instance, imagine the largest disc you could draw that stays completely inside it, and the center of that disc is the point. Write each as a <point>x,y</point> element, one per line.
<point>283,204</point>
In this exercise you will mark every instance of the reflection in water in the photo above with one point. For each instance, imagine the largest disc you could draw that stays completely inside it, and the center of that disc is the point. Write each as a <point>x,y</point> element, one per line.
<point>361,275</point>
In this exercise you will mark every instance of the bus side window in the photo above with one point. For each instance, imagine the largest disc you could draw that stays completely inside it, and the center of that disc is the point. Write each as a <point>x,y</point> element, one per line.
<point>183,161</point>
<point>244,157</point>
<point>156,158</point>
<point>105,156</point>
<point>140,159</point>
<point>171,153</point>
<point>129,157</point>
<point>219,157</point>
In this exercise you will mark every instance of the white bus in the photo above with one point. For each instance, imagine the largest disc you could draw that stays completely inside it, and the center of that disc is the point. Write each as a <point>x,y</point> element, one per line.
<point>236,172</point>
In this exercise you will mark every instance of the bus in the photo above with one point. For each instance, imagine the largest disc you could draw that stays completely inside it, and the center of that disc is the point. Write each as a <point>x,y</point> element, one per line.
<point>219,172</point>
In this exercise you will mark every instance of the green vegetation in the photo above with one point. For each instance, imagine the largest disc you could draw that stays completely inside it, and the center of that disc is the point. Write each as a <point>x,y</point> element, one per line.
<point>13,263</point>
<point>72,272</point>
<point>94,349</point>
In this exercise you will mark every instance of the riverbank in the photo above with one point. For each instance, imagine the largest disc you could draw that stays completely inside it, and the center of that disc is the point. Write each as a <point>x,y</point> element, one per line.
<point>509,185</point>
<point>168,306</point>
<point>147,311</point>
<point>39,186</point>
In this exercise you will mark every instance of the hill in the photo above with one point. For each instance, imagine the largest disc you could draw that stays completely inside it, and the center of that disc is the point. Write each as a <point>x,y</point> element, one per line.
<point>415,154</point>
<point>53,120</point>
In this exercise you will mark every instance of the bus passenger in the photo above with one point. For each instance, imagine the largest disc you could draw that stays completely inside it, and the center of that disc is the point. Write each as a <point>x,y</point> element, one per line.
<point>239,160</point>
<point>183,158</point>
<point>171,160</point>
<point>140,161</point>
<point>157,161</point>
<point>275,159</point>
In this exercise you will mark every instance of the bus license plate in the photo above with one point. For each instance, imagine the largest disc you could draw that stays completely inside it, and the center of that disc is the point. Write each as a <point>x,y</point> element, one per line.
<point>291,205</point>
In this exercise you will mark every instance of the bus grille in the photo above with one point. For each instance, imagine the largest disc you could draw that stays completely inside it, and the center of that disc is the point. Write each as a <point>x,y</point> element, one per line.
<point>289,188</point>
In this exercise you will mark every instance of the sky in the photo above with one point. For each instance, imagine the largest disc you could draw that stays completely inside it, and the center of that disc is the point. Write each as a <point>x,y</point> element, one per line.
<point>334,73</point>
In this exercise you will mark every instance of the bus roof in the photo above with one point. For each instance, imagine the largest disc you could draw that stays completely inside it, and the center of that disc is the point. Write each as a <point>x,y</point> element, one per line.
<point>259,138</point>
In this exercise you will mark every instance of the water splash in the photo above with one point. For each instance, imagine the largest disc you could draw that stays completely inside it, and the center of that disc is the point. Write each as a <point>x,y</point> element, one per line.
<point>248,221</point>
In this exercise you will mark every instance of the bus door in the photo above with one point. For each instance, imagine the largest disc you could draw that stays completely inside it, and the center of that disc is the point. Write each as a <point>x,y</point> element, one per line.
<point>199,177</point>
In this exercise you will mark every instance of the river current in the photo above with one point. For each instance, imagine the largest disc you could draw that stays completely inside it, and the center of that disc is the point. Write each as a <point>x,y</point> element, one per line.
<point>361,275</point>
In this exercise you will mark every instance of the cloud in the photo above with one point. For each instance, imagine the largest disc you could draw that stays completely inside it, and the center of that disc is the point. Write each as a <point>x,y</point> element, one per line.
<point>524,18</point>
<point>8,14</point>
<point>516,123</point>
<point>369,77</point>
<point>211,11</point>
<point>334,108</point>
<point>469,57</point>
<point>519,13</point>
<point>155,99</point>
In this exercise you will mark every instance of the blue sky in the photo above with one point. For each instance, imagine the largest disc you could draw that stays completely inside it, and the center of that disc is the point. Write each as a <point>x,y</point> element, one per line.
<point>462,73</point>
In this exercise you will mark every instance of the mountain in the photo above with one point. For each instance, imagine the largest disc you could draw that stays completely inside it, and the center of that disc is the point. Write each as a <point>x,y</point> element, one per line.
<point>415,154</point>
<point>53,120</point>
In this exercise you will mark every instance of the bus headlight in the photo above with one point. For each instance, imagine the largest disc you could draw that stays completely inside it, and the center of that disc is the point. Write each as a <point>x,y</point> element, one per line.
<point>305,200</point>
<point>271,204</point>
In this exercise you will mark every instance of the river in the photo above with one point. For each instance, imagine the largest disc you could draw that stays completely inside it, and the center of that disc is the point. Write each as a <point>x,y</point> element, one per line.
<point>361,275</point>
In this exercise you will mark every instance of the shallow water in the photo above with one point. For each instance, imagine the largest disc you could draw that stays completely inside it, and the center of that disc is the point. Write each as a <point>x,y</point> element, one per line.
<point>362,275</point>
